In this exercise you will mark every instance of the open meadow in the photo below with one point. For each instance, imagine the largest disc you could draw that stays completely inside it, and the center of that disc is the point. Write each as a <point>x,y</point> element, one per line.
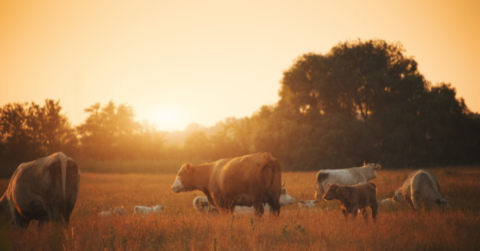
<point>181,227</point>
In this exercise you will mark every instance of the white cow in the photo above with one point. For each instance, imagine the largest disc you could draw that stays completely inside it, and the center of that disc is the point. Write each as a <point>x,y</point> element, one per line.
<point>117,211</point>
<point>347,176</point>
<point>421,187</point>
<point>147,210</point>
<point>201,203</point>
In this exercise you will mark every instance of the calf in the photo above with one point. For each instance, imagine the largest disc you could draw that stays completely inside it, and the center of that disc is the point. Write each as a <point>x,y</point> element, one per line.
<point>355,197</point>
<point>117,211</point>
<point>147,210</point>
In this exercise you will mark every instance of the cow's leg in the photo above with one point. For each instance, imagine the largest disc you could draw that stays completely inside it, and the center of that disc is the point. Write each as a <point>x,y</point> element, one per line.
<point>354,213</point>
<point>374,208</point>
<point>19,220</point>
<point>365,214</point>
<point>274,204</point>
<point>345,214</point>
<point>416,200</point>
<point>257,199</point>
<point>319,193</point>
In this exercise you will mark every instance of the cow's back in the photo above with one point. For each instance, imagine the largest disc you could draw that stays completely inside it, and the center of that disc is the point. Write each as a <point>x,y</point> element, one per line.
<point>420,185</point>
<point>344,177</point>
<point>251,175</point>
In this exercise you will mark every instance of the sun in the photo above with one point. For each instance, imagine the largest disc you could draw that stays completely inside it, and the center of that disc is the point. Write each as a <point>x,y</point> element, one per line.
<point>168,120</point>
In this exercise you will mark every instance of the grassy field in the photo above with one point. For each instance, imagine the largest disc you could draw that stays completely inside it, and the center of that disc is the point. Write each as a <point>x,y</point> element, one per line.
<point>181,227</point>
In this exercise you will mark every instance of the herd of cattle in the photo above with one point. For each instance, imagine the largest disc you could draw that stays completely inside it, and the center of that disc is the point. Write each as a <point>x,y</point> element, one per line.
<point>46,189</point>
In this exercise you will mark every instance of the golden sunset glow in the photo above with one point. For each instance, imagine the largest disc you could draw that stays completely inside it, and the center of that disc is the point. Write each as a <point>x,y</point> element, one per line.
<point>178,62</point>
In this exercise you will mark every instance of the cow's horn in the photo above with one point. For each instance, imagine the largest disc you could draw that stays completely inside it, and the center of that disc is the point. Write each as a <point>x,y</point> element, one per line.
<point>283,185</point>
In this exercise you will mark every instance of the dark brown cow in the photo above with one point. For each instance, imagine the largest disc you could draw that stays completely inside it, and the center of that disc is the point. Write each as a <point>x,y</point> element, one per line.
<point>45,190</point>
<point>256,176</point>
<point>355,197</point>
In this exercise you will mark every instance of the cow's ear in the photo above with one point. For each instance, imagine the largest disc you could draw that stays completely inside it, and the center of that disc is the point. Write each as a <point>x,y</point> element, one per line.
<point>188,168</point>
<point>377,167</point>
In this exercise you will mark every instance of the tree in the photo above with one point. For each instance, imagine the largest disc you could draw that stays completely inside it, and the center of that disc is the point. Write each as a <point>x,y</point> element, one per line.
<point>363,101</point>
<point>29,131</point>
<point>108,132</point>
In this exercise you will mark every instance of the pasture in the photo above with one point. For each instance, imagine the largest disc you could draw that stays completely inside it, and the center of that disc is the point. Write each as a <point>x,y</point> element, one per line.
<point>181,227</point>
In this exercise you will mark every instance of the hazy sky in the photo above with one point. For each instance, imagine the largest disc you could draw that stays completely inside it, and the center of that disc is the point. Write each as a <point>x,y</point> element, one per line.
<point>177,62</point>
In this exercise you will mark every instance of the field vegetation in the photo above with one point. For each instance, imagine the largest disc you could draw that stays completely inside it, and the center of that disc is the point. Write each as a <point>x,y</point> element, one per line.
<point>181,227</point>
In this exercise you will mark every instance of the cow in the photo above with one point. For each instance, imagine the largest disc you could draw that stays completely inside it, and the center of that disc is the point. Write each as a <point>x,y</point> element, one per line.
<point>347,176</point>
<point>421,188</point>
<point>117,211</point>
<point>45,189</point>
<point>255,176</point>
<point>355,197</point>
<point>147,210</point>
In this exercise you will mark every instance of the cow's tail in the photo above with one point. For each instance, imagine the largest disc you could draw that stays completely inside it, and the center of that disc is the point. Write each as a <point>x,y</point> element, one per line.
<point>63,170</point>
<point>63,164</point>
<point>268,171</point>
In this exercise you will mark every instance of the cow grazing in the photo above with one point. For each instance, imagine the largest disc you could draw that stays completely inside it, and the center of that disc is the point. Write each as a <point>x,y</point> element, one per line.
<point>117,211</point>
<point>256,176</point>
<point>348,176</point>
<point>354,197</point>
<point>45,190</point>
<point>147,210</point>
<point>422,188</point>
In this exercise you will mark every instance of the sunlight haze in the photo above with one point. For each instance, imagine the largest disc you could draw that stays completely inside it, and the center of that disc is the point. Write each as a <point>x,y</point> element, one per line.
<point>178,62</point>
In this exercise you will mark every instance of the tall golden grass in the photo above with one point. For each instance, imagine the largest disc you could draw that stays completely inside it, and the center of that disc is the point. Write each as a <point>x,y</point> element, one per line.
<point>181,227</point>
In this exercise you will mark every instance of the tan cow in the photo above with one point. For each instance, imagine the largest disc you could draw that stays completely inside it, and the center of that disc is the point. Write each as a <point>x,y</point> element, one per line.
<point>347,176</point>
<point>255,177</point>
<point>421,188</point>
<point>355,197</point>
<point>45,190</point>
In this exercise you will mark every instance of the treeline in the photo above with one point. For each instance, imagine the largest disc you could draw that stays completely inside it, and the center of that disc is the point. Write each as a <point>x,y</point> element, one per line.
<point>362,101</point>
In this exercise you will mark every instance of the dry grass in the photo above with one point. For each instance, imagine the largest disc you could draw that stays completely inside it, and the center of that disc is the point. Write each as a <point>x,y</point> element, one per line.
<point>180,227</point>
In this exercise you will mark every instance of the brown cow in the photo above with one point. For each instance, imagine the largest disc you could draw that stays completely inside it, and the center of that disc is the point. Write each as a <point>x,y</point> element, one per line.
<point>45,190</point>
<point>256,176</point>
<point>355,197</point>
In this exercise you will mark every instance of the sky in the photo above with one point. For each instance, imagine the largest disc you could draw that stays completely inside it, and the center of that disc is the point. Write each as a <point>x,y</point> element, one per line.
<point>178,62</point>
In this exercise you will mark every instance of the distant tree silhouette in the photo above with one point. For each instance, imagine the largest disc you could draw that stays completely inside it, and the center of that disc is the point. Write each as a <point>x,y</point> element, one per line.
<point>29,131</point>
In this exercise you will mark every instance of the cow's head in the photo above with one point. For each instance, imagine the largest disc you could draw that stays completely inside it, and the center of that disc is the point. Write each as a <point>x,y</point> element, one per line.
<point>184,179</point>
<point>119,211</point>
<point>398,197</point>
<point>372,167</point>
<point>285,198</point>
<point>331,193</point>
<point>443,204</point>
